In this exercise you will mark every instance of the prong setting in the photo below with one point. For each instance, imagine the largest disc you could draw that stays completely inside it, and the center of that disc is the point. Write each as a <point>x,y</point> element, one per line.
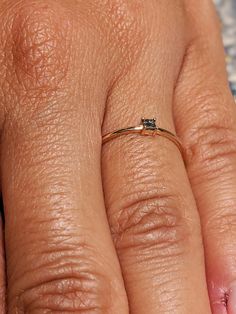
<point>149,126</point>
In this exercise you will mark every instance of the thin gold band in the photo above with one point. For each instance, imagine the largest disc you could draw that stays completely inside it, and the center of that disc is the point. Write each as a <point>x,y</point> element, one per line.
<point>147,128</point>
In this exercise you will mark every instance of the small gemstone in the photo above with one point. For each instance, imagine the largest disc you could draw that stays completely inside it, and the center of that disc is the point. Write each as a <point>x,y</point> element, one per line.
<point>149,123</point>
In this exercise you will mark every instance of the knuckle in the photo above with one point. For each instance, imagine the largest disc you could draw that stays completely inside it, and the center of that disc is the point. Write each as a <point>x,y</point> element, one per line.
<point>132,25</point>
<point>45,47</point>
<point>152,222</point>
<point>212,145</point>
<point>63,286</point>
<point>38,42</point>
<point>123,30</point>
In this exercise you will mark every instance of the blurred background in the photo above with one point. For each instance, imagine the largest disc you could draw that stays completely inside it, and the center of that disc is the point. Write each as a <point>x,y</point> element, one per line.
<point>227,12</point>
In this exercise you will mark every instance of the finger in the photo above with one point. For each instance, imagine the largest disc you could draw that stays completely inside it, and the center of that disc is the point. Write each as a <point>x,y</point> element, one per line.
<point>2,244</point>
<point>60,253</point>
<point>2,268</point>
<point>206,120</point>
<point>151,209</point>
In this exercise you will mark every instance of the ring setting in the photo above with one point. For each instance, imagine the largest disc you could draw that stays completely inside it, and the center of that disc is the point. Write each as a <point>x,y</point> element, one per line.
<point>148,127</point>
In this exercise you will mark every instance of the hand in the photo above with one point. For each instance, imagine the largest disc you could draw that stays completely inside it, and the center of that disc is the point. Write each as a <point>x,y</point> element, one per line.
<point>71,71</point>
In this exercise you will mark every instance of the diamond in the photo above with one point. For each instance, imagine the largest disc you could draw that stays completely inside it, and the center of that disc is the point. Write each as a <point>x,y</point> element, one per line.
<point>149,124</point>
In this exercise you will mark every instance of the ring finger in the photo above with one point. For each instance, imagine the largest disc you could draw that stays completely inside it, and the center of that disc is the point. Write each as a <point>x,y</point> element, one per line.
<point>151,209</point>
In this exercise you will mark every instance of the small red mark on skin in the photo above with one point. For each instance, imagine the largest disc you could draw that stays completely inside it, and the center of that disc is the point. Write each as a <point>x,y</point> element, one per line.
<point>219,297</point>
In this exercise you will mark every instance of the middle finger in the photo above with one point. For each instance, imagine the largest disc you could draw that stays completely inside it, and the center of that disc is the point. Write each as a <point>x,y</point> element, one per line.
<point>60,255</point>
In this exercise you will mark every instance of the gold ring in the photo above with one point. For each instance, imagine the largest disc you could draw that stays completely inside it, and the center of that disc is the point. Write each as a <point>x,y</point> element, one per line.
<point>147,127</point>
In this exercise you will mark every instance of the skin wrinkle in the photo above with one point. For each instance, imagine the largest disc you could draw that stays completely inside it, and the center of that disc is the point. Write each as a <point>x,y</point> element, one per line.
<point>39,173</point>
<point>31,91</point>
<point>49,266</point>
<point>214,149</point>
<point>35,94</point>
<point>37,59</point>
<point>56,272</point>
<point>2,268</point>
<point>144,184</point>
<point>121,20</point>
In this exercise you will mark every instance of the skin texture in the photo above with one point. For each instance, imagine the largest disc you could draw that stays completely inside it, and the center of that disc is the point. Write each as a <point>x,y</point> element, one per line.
<point>125,227</point>
<point>2,273</point>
